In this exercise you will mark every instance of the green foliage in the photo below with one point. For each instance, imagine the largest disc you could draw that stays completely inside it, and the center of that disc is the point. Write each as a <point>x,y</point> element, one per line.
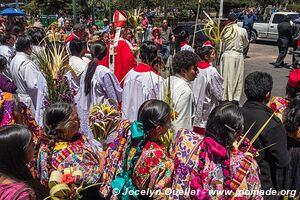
<point>294,7</point>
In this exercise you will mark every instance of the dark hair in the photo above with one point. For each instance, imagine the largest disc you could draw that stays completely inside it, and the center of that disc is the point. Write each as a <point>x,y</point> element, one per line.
<point>153,113</point>
<point>257,85</point>
<point>37,37</point>
<point>292,116</point>
<point>291,91</point>
<point>55,116</point>
<point>204,51</point>
<point>23,43</point>
<point>184,60</point>
<point>287,18</point>
<point>78,27</point>
<point>4,37</point>
<point>148,52</point>
<point>224,122</point>
<point>232,17</point>
<point>16,30</point>
<point>14,142</point>
<point>76,47</point>
<point>180,38</point>
<point>98,52</point>
<point>3,62</point>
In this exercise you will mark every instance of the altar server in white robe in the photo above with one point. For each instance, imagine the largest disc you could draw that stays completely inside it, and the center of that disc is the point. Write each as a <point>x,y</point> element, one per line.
<point>185,71</point>
<point>76,66</point>
<point>26,75</point>
<point>97,84</point>
<point>141,83</point>
<point>207,87</point>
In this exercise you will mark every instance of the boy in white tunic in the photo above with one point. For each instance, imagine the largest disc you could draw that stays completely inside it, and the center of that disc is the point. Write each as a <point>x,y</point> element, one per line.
<point>185,68</point>
<point>207,87</point>
<point>142,83</point>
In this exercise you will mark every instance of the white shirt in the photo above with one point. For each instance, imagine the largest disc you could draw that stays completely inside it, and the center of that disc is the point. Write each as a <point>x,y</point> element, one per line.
<point>208,90</point>
<point>138,88</point>
<point>74,73</point>
<point>61,22</point>
<point>183,102</point>
<point>187,47</point>
<point>25,75</point>
<point>8,53</point>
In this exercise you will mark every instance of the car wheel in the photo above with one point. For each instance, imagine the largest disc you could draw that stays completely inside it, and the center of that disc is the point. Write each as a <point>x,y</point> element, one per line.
<point>253,37</point>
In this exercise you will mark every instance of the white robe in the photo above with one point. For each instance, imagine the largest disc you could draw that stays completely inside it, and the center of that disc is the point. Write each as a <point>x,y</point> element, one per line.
<point>73,75</point>
<point>104,86</point>
<point>27,78</point>
<point>8,53</point>
<point>138,88</point>
<point>208,90</point>
<point>232,64</point>
<point>183,102</point>
<point>187,47</point>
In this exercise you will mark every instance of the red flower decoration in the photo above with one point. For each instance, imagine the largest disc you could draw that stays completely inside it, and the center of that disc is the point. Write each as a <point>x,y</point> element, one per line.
<point>274,107</point>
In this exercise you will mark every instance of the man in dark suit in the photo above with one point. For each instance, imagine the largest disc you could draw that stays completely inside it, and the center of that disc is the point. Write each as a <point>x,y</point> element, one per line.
<point>284,38</point>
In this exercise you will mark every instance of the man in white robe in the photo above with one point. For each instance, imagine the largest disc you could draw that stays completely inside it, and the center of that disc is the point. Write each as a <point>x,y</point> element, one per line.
<point>232,60</point>
<point>26,74</point>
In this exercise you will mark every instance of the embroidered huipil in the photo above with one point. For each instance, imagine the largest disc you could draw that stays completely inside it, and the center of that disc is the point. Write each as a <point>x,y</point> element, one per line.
<point>141,83</point>
<point>208,90</point>
<point>185,151</point>
<point>67,154</point>
<point>153,170</point>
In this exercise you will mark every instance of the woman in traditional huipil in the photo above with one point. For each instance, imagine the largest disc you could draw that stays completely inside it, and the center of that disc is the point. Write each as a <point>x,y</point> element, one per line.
<point>213,161</point>
<point>63,146</point>
<point>136,160</point>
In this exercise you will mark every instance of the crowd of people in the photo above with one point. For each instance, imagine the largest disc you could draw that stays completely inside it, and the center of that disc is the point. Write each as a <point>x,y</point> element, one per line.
<point>192,102</point>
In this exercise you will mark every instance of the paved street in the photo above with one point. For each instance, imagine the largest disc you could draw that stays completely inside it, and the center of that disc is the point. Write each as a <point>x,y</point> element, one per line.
<point>261,54</point>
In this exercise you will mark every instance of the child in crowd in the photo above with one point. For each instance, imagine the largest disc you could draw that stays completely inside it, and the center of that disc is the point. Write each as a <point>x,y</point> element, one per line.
<point>207,87</point>
<point>156,37</point>
<point>185,64</point>
<point>142,83</point>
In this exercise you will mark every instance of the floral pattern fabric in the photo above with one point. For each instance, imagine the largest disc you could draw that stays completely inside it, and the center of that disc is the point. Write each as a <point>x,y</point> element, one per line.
<point>184,151</point>
<point>278,105</point>
<point>153,170</point>
<point>69,154</point>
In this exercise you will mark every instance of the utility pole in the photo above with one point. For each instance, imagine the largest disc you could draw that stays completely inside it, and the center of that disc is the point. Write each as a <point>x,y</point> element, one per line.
<point>74,11</point>
<point>17,4</point>
<point>221,9</point>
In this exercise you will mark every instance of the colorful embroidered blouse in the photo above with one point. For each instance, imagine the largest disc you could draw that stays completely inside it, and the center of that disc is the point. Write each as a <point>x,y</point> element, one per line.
<point>153,170</point>
<point>67,154</point>
<point>185,151</point>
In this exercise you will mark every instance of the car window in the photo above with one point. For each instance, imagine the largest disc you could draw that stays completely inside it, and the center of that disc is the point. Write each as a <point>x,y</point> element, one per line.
<point>277,18</point>
<point>294,16</point>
